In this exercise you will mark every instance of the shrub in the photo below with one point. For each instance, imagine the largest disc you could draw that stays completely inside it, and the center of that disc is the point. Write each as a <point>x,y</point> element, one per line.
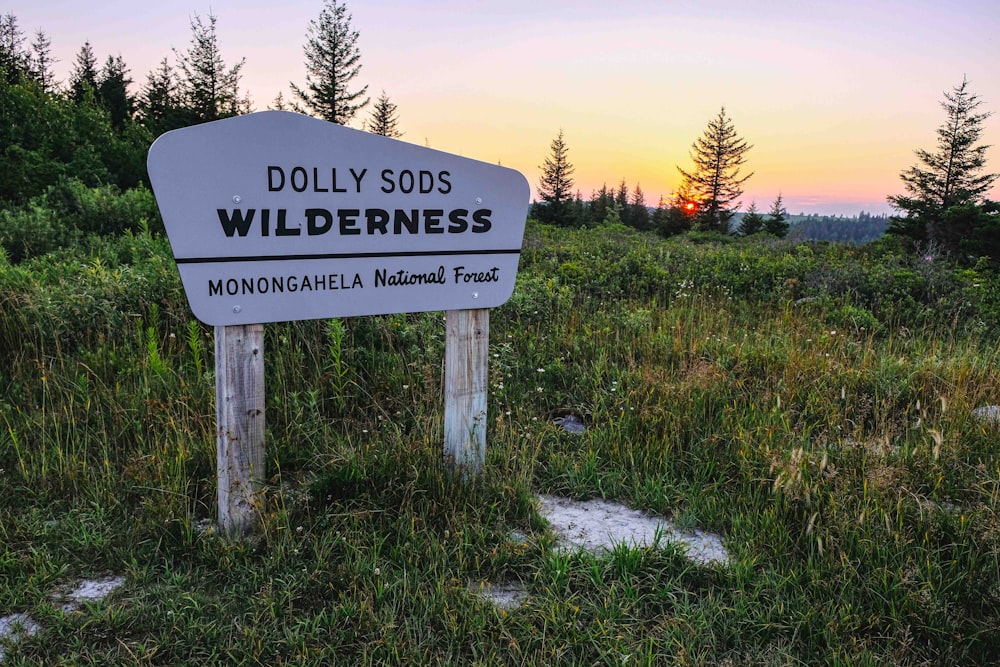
<point>69,212</point>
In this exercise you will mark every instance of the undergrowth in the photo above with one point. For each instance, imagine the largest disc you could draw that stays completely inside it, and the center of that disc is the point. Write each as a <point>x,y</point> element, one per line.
<point>812,403</point>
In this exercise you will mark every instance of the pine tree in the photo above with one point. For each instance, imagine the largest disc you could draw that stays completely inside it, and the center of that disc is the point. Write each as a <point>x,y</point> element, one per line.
<point>638,213</point>
<point>715,182</point>
<point>279,102</point>
<point>208,89</point>
<point>14,61</point>
<point>776,223</point>
<point>600,202</point>
<point>158,103</point>
<point>383,120</point>
<point>952,176</point>
<point>622,201</point>
<point>83,78</point>
<point>112,91</point>
<point>333,60</point>
<point>41,62</point>
<point>556,186</point>
<point>752,222</point>
<point>613,216</point>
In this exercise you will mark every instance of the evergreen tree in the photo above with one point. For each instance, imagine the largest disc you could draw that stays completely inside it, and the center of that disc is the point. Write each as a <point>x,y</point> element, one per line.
<point>383,120</point>
<point>638,213</point>
<point>776,223</point>
<point>671,220</point>
<point>613,216</point>
<point>581,212</point>
<point>41,62</point>
<point>556,186</point>
<point>279,102</point>
<point>715,182</point>
<point>951,176</point>
<point>208,89</point>
<point>83,78</point>
<point>333,60</point>
<point>112,91</point>
<point>752,222</point>
<point>14,61</point>
<point>622,201</point>
<point>158,102</point>
<point>600,202</point>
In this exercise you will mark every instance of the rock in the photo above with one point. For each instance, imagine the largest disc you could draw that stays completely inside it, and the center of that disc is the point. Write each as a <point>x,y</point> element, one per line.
<point>988,413</point>
<point>571,424</point>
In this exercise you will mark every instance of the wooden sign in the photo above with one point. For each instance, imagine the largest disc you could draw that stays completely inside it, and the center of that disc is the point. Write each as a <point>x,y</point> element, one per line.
<point>276,216</point>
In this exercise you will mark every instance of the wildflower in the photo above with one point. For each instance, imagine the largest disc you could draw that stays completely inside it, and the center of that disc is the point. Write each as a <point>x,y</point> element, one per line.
<point>540,370</point>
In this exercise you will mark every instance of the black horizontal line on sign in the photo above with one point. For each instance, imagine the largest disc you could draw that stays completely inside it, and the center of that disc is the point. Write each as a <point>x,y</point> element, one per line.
<point>349,255</point>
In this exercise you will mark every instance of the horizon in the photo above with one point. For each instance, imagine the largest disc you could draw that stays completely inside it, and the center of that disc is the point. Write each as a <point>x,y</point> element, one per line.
<point>835,100</point>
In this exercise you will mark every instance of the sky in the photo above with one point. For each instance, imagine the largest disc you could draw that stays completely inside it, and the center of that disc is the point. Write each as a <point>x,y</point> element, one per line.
<point>834,97</point>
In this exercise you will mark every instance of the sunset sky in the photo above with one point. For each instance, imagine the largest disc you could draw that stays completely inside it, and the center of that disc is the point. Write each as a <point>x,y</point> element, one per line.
<point>834,96</point>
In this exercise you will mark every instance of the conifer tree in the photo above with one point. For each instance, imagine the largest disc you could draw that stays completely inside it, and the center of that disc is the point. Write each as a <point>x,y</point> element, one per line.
<point>600,202</point>
<point>556,186</point>
<point>113,93</point>
<point>208,89</point>
<point>776,223</point>
<point>14,61</point>
<point>638,213</point>
<point>715,183</point>
<point>41,62</point>
<point>83,78</point>
<point>752,222</point>
<point>333,60</point>
<point>383,120</point>
<point>158,103</point>
<point>622,201</point>
<point>949,177</point>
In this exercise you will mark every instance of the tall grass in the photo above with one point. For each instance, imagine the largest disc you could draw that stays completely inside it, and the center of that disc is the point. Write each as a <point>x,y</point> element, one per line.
<point>809,402</point>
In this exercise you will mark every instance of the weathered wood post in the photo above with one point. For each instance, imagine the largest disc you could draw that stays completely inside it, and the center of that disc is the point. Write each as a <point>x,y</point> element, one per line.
<point>239,409</point>
<point>466,380</point>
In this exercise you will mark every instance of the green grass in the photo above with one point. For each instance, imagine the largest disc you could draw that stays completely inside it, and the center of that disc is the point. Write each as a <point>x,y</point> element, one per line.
<point>809,402</point>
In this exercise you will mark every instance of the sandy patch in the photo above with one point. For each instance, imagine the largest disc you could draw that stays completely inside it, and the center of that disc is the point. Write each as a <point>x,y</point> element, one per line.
<point>599,525</point>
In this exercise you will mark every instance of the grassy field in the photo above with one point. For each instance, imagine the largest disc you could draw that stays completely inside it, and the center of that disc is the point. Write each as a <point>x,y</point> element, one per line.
<point>811,403</point>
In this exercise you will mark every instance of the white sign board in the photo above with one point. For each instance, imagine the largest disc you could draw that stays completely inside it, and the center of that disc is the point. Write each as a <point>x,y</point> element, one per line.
<point>275,216</point>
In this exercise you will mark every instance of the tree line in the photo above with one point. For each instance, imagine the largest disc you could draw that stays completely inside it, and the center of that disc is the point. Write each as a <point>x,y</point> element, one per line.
<point>707,199</point>
<point>96,129</point>
<point>945,208</point>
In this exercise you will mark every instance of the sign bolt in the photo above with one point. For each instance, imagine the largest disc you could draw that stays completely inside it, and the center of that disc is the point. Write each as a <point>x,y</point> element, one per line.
<point>236,309</point>
<point>237,199</point>
<point>479,200</point>
<point>475,295</point>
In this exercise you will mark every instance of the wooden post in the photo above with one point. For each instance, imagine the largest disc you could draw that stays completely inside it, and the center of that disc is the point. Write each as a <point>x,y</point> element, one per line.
<point>466,381</point>
<point>239,409</point>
